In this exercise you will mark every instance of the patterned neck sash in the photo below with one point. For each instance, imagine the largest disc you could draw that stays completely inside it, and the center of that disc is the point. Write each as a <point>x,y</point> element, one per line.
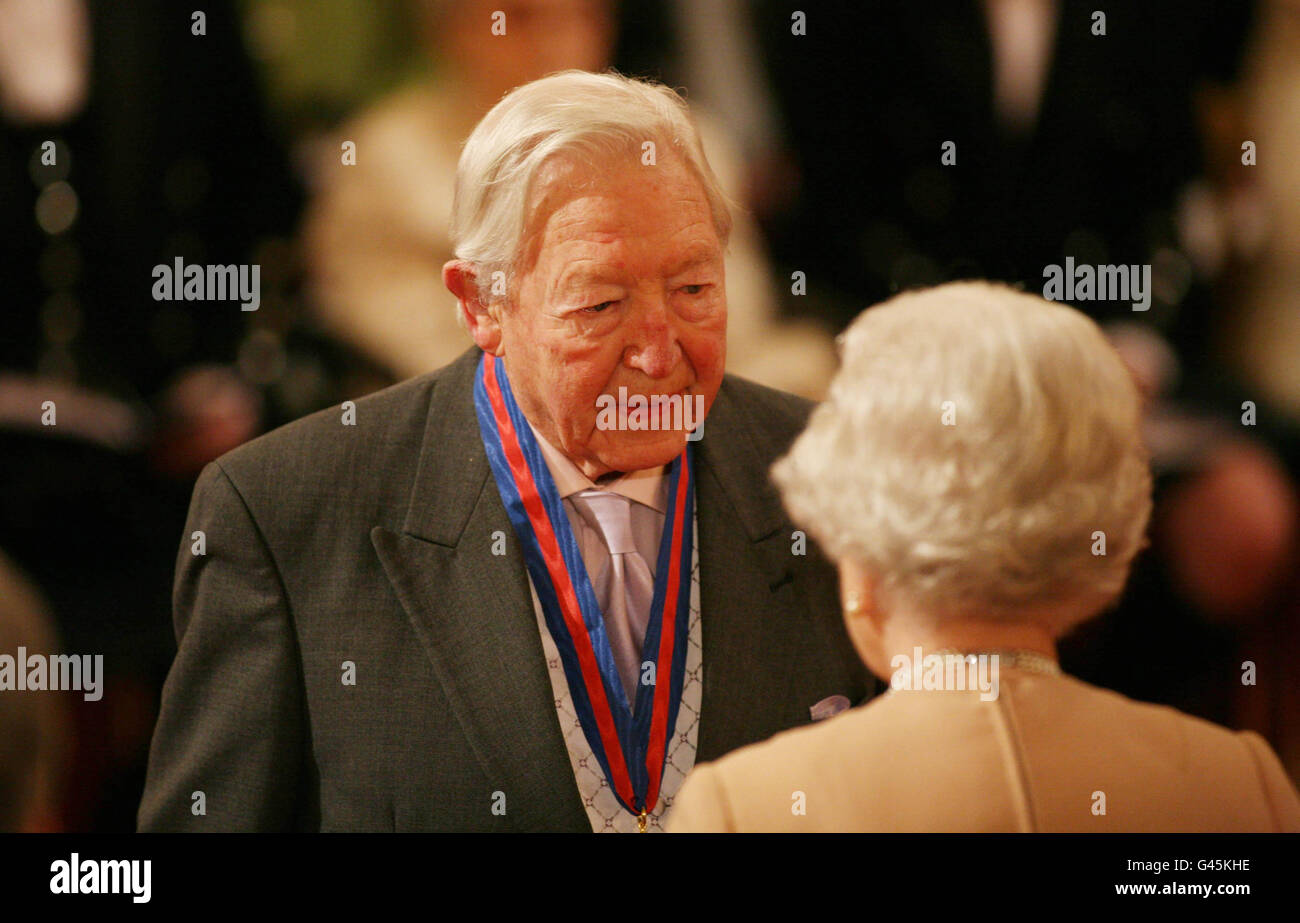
<point>630,743</point>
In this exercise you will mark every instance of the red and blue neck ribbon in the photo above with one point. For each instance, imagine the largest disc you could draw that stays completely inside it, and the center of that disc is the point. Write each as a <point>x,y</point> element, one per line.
<point>631,743</point>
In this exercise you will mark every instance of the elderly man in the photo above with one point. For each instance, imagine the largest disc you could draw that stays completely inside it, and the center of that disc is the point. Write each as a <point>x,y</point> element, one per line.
<point>511,594</point>
<point>979,477</point>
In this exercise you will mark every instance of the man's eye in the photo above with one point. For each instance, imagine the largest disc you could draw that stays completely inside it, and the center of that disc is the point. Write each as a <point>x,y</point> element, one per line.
<point>694,289</point>
<point>597,308</point>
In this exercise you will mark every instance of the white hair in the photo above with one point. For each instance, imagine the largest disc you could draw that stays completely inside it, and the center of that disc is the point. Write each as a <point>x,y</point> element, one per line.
<point>593,120</point>
<point>975,442</point>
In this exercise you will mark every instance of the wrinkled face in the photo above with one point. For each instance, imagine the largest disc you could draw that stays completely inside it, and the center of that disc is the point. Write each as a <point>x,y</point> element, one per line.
<point>621,286</point>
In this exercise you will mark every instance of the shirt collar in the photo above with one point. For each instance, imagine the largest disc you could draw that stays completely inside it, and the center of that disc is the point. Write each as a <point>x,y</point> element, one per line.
<point>647,486</point>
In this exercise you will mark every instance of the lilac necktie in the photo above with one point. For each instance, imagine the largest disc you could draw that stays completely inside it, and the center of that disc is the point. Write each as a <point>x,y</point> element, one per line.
<point>623,584</point>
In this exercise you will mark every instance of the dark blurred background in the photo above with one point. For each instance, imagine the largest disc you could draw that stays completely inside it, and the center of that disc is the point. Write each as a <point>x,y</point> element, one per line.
<point>318,140</point>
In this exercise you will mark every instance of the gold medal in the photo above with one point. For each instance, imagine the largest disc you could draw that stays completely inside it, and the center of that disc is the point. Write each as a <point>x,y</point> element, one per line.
<point>641,822</point>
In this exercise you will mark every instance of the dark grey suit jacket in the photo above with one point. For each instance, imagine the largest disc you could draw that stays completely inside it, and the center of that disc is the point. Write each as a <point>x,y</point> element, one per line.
<point>371,544</point>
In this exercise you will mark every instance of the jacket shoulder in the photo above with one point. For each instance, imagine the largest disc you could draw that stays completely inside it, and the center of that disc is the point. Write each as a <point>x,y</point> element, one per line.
<point>769,418</point>
<point>373,433</point>
<point>780,406</point>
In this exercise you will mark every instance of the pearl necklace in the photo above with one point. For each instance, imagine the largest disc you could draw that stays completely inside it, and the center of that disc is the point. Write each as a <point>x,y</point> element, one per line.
<point>1030,661</point>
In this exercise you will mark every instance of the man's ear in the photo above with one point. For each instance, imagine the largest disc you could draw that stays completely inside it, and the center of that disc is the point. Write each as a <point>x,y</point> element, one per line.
<point>483,320</point>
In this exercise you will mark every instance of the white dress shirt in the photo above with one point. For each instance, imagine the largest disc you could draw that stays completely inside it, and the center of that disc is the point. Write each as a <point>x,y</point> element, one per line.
<point>647,489</point>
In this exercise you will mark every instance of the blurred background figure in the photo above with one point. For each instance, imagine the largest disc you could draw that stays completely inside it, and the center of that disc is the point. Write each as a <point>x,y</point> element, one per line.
<point>34,726</point>
<point>130,135</point>
<point>1254,215</point>
<point>376,236</point>
<point>1259,211</point>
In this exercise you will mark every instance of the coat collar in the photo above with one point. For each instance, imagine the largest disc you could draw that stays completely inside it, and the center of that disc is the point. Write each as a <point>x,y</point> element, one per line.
<point>453,466</point>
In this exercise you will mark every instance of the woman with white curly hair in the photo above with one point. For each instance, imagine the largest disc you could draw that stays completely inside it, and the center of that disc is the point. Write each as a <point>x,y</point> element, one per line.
<point>978,475</point>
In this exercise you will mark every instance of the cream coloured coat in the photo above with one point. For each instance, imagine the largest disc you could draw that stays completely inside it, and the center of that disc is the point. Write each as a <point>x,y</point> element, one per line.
<point>1046,755</point>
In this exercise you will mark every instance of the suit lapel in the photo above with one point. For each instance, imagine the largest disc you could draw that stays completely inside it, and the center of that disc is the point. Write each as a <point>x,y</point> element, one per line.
<point>473,613</point>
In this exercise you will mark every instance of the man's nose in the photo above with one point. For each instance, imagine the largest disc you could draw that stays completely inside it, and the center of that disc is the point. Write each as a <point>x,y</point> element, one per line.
<point>655,350</point>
